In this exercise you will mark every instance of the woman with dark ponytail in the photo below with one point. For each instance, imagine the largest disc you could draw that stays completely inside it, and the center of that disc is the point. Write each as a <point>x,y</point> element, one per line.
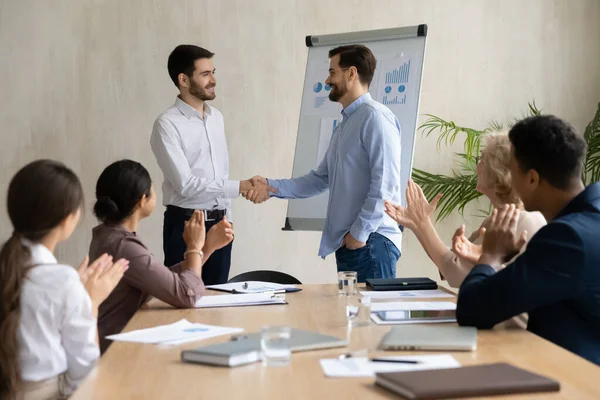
<point>125,195</point>
<point>48,311</point>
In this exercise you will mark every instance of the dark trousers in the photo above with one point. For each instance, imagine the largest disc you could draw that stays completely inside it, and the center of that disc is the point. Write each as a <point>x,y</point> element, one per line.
<point>215,269</point>
<point>375,260</point>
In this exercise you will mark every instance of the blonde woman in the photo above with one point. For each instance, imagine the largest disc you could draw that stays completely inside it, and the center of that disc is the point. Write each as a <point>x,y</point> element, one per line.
<point>493,181</point>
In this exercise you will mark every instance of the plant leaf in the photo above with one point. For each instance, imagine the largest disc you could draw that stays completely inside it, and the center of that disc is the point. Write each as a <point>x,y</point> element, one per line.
<point>591,135</point>
<point>449,131</point>
<point>458,190</point>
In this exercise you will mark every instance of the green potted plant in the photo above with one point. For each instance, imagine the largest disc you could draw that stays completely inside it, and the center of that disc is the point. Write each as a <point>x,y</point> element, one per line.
<point>459,187</point>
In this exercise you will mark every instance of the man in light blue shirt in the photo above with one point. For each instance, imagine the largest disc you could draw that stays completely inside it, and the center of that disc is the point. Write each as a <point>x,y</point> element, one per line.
<point>361,169</point>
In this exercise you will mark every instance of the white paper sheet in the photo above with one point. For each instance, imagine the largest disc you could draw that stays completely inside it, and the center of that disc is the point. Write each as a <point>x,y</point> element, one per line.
<point>328,125</point>
<point>361,366</point>
<point>236,300</point>
<point>408,294</point>
<point>316,99</point>
<point>394,83</point>
<point>253,287</point>
<point>182,331</point>
<point>375,318</point>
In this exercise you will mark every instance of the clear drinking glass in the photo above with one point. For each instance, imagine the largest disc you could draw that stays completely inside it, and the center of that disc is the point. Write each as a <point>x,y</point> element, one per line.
<point>358,310</point>
<point>275,345</point>
<point>347,283</point>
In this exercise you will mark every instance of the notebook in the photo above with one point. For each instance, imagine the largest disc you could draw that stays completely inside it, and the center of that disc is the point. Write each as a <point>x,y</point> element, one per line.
<point>428,337</point>
<point>478,380</point>
<point>246,349</point>
<point>402,284</point>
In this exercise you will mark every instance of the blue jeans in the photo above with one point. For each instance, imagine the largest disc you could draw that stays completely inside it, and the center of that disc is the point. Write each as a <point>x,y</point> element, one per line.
<point>375,260</point>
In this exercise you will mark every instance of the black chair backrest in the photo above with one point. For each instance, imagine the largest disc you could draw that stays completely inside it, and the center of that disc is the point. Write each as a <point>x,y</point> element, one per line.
<point>266,276</point>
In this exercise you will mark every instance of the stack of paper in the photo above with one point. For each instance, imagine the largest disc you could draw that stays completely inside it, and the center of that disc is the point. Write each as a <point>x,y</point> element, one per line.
<point>361,366</point>
<point>376,308</point>
<point>253,287</point>
<point>182,331</point>
<point>406,294</point>
<point>412,305</point>
<point>236,300</point>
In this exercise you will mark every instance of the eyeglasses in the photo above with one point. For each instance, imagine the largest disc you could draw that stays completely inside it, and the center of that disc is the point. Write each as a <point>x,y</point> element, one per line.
<point>332,71</point>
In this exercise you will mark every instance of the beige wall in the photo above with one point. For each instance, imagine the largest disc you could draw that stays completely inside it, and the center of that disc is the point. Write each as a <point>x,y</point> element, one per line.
<point>82,81</point>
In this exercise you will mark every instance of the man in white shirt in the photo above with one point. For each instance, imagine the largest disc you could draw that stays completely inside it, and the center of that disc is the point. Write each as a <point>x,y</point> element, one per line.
<point>188,141</point>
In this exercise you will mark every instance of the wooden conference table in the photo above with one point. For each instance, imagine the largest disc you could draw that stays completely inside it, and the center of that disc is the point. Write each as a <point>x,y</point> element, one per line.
<point>143,371</point>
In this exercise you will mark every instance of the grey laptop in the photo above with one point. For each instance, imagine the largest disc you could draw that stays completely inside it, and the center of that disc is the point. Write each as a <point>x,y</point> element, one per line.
<point>245,349</point>
<point>430,337</point>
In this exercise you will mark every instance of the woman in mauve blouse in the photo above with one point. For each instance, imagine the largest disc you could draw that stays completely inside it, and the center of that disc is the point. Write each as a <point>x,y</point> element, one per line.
<point>124,196</point>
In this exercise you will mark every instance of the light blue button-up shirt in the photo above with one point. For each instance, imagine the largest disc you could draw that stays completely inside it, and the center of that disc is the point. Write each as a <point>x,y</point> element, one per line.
<point>361,169</point>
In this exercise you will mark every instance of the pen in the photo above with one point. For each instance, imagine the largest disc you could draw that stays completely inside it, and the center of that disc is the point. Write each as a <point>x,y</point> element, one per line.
<point>267,291</point>
<point>394,361</point>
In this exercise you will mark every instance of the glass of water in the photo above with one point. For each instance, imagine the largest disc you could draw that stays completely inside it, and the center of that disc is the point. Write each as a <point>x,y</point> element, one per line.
<point>358,310</point>
<point>347,282</point>
<point>275,345</point>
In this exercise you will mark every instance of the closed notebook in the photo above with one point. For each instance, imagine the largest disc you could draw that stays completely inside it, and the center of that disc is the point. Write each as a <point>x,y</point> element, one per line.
<point>228,354</point>
<point>402,284</point>
<point>478,380</point>
<point>247,349</point>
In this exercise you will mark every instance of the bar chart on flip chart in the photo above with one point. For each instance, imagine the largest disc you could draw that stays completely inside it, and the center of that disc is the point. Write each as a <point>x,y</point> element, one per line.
<point>393,81</point>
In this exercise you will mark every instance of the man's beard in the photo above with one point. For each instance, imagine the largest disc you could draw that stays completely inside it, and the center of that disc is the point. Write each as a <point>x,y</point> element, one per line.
<point>336,93</point>
<point>201,93</point>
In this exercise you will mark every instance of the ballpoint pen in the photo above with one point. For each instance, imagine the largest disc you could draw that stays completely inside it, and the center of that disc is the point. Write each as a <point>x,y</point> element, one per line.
<point>391,360</point>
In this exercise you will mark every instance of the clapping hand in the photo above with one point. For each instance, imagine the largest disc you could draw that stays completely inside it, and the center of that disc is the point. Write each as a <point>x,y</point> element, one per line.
<point>219,236</point>
<point>101,277</point>
<point>464,248</point>
<point>501,240</point>
<point>194,231</point>
<point>417,209</point>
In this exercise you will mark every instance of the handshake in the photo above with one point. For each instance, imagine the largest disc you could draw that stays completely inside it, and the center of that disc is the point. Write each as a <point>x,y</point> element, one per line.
<point>256,189</point>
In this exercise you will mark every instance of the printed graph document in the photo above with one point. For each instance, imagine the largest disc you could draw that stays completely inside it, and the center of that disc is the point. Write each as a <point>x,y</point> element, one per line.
<point>361,366</point>
<point>253,287</point>
<point>237,300</point>
<point>182,331</point>
<point>315,100</point>
<point>407,294</point>
<point>328,126</point>
<point>395,86</point>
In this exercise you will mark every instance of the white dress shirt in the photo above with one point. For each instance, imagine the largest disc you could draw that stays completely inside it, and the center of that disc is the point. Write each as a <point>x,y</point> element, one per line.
<point>192,153</point>
<point>57,331</point>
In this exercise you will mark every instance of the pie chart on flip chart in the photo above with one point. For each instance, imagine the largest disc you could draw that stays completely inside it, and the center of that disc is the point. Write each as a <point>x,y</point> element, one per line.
<point>318,87</point>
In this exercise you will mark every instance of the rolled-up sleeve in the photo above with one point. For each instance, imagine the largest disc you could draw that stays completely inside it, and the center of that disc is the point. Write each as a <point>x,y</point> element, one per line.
<point>177,286</point>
